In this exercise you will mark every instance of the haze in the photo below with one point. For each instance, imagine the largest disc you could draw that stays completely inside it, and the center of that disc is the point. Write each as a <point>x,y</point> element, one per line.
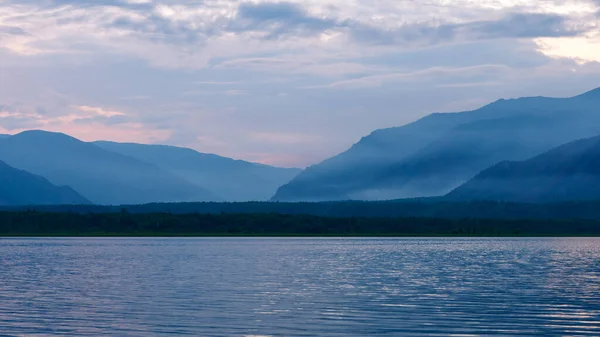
<point>282,83</point>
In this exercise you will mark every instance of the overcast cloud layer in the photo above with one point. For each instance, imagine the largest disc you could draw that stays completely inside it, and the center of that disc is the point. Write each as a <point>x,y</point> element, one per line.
<point>286,83</point>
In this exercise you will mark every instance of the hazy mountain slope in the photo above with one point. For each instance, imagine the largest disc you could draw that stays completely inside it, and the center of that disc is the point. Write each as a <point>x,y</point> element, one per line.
<point>18,187</point>
<point>437,153</point>
<point>234,180</point>
<point>568,173</point>
<point>341,175</point>
<point>466,150</point>
<point>101,176</point>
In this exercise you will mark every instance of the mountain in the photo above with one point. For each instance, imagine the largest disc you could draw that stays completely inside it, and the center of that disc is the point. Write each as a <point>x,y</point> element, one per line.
<point>101,176</point>
<point>439,152</point>
<point>18,187</point>
<point>234,180</point>
<point>568,173</point>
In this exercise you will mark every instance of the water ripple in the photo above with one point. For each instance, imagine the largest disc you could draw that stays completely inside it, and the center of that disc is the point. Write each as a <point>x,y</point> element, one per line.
<point>300,287</point>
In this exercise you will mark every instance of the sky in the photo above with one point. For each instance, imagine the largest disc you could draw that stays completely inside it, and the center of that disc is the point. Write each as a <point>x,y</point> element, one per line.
<point>287,83</point>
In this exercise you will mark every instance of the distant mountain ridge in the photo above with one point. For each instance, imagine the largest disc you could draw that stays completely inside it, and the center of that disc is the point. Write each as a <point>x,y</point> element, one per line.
<point>439,152</point>
<point>128,173</point>
<point>101,176</point>
<point>507,150</point>
<point>18,187</point>
<point>570,172</point>
<point>233,180</point>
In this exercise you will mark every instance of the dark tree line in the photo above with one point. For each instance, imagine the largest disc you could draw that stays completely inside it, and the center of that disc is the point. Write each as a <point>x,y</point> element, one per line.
<point>36,223</point>
<point>428,208</point>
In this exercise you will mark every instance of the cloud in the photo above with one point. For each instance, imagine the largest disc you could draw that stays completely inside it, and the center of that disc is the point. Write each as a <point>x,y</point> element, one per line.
<point>283,19</point>
<point>511,25</point>
<point>99,111</point>
<point>195,33</point>
<point>279,19</point>
<point>580,49</point>
<point>297,64</point>
<point>522,25</point>
<point>437,74</point>
<point>84,122</point>
<point>17,117</point>
<point>9,30</point>
<point>231,76</point>
<point>84,3</point>
<point>10,120</point>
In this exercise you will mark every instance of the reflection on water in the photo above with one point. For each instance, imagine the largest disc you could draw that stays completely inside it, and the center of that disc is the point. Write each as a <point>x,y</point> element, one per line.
<point>300,287</point>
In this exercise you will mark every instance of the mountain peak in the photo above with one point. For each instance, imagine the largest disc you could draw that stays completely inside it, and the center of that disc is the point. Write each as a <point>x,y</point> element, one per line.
<point>42,134</point>
<point>567,172</point>
<point>236,180</point>
<point>102,176</point>
<point>437,153</point>
<point>593,94</point>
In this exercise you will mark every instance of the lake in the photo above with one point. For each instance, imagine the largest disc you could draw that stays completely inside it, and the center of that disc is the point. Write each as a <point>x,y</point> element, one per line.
<point>300,287</point>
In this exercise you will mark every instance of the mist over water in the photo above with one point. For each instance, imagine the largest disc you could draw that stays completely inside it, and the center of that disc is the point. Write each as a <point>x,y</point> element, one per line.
<point>299,287</point>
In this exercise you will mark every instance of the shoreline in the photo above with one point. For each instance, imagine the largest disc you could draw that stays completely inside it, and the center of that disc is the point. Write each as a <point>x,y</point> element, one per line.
<point>291,236</point>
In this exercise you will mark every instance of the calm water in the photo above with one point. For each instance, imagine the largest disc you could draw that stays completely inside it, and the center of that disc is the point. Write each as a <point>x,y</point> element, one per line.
<point>300,287</point>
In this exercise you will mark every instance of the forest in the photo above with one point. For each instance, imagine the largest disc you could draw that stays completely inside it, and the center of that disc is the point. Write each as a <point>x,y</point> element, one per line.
<point>124,223</point>
<point>407,208</point>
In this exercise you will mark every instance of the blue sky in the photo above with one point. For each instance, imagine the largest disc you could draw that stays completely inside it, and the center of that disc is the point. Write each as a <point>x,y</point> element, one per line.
<point>286,83</point>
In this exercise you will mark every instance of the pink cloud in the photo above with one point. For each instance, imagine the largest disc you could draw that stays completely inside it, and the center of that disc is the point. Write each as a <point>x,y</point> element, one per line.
<point>127,132</point>
<point>89,130</point>
<point>99,111</point>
